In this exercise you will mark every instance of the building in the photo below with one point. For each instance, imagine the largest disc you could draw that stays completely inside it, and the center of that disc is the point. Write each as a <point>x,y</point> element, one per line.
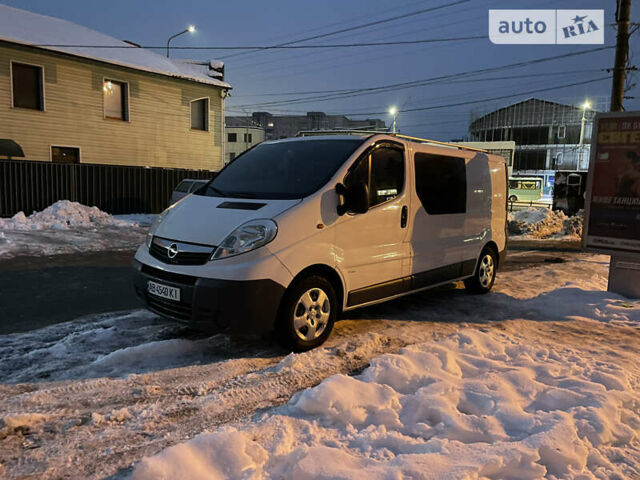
<point>239,139</point>
<point>283,126</point>
<point>547,136</point>
<point>63,102</point>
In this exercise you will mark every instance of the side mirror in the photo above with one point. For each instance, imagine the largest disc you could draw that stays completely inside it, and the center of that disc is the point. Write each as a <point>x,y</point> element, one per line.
<point>355,198</point>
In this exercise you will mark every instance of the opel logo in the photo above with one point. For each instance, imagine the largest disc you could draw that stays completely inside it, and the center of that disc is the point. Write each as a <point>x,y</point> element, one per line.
<point>172,251</point>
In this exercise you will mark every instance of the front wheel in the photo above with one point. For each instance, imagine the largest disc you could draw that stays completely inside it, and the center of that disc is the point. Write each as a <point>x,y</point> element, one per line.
<point>485,274</point>
<point>307,314</point>
<point>513,199</point>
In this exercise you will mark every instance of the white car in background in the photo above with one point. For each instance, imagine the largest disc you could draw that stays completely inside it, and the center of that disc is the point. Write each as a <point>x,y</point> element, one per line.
<point>295,231</point>
<point>185,187</point>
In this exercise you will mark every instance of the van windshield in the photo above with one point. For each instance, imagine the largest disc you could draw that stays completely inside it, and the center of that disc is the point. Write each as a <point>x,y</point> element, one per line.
<point>282,170</point>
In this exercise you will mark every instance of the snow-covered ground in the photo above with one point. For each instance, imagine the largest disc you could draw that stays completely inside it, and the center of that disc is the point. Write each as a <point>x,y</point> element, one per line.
<point>69,227</point>
<point>538,379</point>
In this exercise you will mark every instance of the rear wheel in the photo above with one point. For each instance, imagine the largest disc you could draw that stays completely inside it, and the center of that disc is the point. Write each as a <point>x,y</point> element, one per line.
<point>513,198</point>
<point>485,274</point>
<point>307,313</point>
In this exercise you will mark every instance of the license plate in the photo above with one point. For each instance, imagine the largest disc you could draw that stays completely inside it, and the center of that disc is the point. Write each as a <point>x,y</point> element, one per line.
<point>164,291</point>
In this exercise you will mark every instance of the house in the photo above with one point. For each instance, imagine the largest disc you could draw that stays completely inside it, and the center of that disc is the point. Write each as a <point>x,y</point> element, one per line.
<point>69,94</point>
<point>548,136</point>
<point>283,126</point>
<point>241,138</point>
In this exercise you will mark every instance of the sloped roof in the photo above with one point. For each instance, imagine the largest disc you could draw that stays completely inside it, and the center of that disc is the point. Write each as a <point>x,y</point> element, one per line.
<point>529,101</point>
<point>27,28</point>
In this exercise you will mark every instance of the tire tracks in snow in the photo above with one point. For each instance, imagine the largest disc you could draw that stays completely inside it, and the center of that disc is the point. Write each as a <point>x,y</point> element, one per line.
<point>96,428</point>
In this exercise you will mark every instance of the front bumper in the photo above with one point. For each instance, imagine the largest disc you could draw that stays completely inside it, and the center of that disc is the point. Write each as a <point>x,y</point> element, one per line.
<point>213,305</point>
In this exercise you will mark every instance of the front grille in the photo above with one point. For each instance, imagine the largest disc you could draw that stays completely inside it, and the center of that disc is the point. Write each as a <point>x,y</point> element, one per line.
<point>171,309</point>
<point>169,276</point>
<point>187,253</point>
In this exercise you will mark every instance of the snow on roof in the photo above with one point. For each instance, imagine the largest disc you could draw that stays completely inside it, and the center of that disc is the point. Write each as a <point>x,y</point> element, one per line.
<point>27,28</point>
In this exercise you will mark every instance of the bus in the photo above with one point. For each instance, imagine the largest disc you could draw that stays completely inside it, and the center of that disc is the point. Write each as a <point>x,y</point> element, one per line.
<point>525,189</point>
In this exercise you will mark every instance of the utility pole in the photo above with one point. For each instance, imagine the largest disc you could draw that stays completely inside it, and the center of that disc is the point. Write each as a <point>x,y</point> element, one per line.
<point>623,15</point>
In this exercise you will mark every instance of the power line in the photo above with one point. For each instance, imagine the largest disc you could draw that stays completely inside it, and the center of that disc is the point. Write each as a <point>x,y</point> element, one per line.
<point>416,83</point>
<point>358,27</point>
<point>431,23</point>
<point>254,47</point>
<point>501,97</point>
<point>506,77</point>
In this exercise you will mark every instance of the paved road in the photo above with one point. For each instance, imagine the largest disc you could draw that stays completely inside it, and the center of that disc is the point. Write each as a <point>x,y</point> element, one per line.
<point>40,291</point>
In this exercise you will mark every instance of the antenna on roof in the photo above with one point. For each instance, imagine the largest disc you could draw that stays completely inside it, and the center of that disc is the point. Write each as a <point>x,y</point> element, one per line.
<point>137,45</point>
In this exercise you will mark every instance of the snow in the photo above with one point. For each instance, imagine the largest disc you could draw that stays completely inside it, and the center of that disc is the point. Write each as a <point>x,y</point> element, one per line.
<point>474,405</point>
<point>540,222</point>
<point>64,214</point>
<point>538,379</point>
<point>24,27</point>
<point>68,227</point>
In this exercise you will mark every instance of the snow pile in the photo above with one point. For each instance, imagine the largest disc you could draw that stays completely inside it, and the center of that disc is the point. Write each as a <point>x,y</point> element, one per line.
<point>541,222</point>
<point>573,225</point>
<point>477,404</point>
<point>63,215</point>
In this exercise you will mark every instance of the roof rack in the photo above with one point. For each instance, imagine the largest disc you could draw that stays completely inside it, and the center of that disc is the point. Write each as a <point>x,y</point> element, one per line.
<point>310,133</point>
<point>436,142</point>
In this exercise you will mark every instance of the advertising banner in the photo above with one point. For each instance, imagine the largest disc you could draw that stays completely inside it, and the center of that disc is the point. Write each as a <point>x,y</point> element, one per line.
<point>612,217</point>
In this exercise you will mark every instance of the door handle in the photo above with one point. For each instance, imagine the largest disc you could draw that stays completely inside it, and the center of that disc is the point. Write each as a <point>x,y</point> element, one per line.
<point>404,215</point>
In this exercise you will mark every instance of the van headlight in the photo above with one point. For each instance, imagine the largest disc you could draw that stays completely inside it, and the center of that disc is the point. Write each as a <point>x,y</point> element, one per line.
<point>247,237</point>
<point>154,226</point>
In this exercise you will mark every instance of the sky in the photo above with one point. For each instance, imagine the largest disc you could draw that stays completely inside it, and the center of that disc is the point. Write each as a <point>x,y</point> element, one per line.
<point>260,78</point>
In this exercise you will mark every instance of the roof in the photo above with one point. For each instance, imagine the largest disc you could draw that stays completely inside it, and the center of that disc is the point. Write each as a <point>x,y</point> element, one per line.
<point>531,100</point>
<point>27,28</point>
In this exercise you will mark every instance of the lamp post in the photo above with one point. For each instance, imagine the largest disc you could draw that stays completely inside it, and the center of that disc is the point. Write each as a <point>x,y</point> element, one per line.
<point>189,29</point>
<point>393,111</point>
<point>585,106</point>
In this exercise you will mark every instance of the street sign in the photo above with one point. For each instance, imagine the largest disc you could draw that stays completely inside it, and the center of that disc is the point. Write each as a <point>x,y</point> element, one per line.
<point>612,213</point>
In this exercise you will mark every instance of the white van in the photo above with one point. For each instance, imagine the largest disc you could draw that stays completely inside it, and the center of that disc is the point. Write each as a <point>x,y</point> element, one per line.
<point>295,231</point>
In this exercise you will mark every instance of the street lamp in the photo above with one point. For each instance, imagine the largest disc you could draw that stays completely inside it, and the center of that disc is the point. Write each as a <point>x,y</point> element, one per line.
<point>585,106</point>
<point>393,111</point>
<point>189,29</point>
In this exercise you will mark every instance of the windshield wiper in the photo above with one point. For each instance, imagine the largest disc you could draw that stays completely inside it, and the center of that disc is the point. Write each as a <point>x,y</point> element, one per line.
<point>218,191</point>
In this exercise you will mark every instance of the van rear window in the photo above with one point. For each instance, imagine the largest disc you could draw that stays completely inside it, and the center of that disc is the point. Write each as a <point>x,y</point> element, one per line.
<point>441,183</point>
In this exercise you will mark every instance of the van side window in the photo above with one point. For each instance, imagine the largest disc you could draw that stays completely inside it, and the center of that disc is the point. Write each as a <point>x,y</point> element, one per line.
<point>382,169</point>
<point>441,183</point>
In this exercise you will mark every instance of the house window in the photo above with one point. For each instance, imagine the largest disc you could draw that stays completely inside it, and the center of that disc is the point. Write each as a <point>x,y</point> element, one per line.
<point>116,100</point>
<point>27,86</point>
<point>441,183</point>
<point>65,155</point>
<point>562,131</point>
<point>232,137</point>
<point>199,114</point>
<point>559,158</point>
<point>232,156</point>
<point>248,138</point>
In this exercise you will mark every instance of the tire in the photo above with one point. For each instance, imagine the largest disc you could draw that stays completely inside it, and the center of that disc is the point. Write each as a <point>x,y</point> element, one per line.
<point>513,198</point>
<point>485,273</point>
<point>307,314</point>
